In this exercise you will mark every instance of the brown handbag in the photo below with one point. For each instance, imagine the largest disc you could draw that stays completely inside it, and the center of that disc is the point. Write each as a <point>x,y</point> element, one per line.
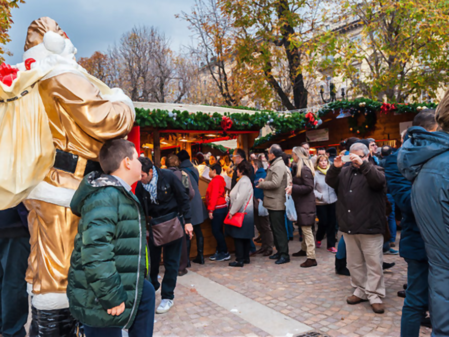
<point>166,229</point>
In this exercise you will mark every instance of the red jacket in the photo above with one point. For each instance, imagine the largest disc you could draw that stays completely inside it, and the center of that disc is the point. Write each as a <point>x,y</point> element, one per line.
<point>215,194</point>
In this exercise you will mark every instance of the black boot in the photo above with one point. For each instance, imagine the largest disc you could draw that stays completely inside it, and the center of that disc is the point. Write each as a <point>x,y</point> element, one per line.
<point>53,323</point>
<point>340,267</point>
<point>200,249</point>
<point>386,265</point>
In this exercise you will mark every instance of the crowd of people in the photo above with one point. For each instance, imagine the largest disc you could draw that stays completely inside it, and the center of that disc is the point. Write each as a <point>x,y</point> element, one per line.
<point>123,236</point>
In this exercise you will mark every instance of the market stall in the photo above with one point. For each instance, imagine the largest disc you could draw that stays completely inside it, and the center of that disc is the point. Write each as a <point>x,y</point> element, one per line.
<point>174,127</point>
<point>361,118</point>
<point>165,128</point>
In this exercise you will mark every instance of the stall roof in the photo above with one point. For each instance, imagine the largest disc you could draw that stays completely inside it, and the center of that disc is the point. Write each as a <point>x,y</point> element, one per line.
<point>189,107</point>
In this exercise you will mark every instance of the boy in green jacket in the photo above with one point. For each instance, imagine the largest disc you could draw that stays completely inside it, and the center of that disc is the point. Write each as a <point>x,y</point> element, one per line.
<point>107,289</point>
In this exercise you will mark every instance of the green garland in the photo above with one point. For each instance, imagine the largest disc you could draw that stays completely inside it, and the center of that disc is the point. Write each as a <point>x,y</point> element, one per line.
<point>374,106</point>
<point>263,140</point>
<point>183,120</point>
<point>348,105</point>
<point>370,108</point>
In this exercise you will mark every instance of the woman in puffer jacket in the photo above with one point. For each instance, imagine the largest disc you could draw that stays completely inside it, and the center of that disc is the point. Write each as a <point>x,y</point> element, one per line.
<point>326,199</point>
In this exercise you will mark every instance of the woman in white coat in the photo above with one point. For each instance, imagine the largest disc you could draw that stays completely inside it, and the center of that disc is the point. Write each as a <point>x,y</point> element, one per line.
<point>326,199</point>
<point>242,201</point>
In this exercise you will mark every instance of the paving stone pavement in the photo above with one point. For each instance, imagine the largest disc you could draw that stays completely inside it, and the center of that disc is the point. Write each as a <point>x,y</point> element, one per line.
<point>313,296</point>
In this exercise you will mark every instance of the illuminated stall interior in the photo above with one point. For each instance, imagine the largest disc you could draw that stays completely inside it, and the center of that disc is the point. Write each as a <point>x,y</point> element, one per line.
<point>156,143</point>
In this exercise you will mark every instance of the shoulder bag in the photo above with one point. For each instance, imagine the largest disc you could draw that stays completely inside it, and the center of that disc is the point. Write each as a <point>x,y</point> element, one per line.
<point>237,218</point>
<point>164,229</point>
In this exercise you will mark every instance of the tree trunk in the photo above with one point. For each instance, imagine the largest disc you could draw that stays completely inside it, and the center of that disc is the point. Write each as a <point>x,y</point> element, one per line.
<point>275,85</point>
<point>293,56</point>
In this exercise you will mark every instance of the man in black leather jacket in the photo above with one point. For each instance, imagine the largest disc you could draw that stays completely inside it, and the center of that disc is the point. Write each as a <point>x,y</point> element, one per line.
<point>161,193</point>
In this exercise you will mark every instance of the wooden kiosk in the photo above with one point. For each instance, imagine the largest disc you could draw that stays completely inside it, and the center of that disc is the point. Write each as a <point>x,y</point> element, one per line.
<point>155,140</point>
<point>335,127</point>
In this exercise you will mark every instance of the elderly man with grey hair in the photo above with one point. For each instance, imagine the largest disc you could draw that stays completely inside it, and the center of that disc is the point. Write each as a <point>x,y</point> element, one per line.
<point>361,215</point>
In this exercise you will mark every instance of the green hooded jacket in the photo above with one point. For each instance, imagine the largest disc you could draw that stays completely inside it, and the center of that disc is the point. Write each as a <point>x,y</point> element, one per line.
<point>107,266</point>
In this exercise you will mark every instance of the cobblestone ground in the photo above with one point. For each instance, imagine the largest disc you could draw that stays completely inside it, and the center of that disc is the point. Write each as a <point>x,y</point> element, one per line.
<point>313,296</point>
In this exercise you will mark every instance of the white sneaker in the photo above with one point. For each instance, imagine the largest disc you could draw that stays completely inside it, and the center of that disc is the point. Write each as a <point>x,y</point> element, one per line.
<point>164,307</point>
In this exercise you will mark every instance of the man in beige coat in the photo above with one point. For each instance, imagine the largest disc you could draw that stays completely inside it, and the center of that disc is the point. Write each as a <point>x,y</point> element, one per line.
<point>274,200</point>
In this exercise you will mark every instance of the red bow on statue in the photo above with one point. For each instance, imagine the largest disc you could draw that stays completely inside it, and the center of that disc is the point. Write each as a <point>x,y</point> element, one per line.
<point>226,123</point>
<point>7,74</point>
<point>387,107</point>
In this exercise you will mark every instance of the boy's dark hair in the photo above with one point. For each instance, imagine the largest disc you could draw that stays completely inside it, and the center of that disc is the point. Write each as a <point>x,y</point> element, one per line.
<point>147,164</point>
<point>425,119</point>
<point>245,168</point>
<point>183,155</point>
<point>258,163</point>
<point>241,153</point>
<point>217,168</point>
<point>113,152</point>
<point>304,143</point>
<point>386,150</point>
<point>320,149</point>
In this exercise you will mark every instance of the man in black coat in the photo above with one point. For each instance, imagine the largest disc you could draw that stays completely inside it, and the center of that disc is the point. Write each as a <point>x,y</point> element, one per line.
<point>161,194</point>
<point>361,214</point>
<point>14,252</point>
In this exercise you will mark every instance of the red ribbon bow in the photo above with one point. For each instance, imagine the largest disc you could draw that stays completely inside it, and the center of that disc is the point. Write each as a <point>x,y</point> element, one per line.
<point>310,117</point>
<point>7,74</point>
<point>226,123</point>
<point>387,107</point>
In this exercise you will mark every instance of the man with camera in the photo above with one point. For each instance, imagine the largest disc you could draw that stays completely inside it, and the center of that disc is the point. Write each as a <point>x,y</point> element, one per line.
<point>361,209</point>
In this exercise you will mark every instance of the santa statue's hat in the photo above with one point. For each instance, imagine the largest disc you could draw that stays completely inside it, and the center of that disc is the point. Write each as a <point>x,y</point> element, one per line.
<point>44,38</point>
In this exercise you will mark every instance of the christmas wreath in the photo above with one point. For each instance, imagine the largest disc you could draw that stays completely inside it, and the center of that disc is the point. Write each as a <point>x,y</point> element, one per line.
<point>369,122</point>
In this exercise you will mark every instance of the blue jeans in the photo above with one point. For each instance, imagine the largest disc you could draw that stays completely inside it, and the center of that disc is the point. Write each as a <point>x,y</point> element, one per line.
<point>416,302</point>
<point>341,253</point>
<point>289,227</point>
<point>14,308</point>
<point>143,323</point>
<point>217,229</point>
<point>392,219</point>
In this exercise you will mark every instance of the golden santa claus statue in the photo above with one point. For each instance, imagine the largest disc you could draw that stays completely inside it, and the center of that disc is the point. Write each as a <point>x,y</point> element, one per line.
<point>54,119</point>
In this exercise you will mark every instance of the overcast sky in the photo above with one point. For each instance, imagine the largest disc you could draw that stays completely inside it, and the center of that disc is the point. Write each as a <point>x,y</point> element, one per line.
<point>94,24</point>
